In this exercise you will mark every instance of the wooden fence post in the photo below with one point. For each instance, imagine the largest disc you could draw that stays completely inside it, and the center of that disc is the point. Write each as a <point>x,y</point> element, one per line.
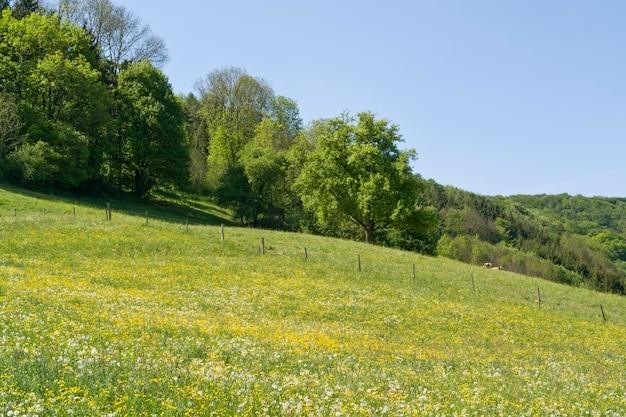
<point>222,232</point>
<point>306,255</point>
<point>473,285</point>
<point>108,210</point>
<point>262,245</point>
<point>603,315</point>
<point>538,298</point>
<point>359,262</point>
<point>414,276</point>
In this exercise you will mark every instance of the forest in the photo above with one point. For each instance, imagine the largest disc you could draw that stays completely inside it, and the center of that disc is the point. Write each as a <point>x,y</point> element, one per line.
<point>86,109</point>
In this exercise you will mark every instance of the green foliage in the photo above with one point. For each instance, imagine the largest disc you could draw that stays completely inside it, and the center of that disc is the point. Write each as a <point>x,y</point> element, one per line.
<point>196,134</point>
<point>357,173</point>
<point>614,243</point>
<point>232,104</point>
<point>28,41</point>
<point>285,113</point>
<point>467,221</point>
<point>61,161</point>
<point>10,126</point>
<point>64,92</point>
<point>34,165</point>
<point>580,214</point>
<point>234,192</point>
<point>246,134</point>
<point>151,130</point>
<point>71,150</point>
<point>49,70</point>
<point>258,188</point>
<point>265,170</point>
<point>419,233</point>
<point>567,239</point>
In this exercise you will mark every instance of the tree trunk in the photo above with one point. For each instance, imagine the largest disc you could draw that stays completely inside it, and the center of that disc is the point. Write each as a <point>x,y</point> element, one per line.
<point>139,182</point>
<point>369,233</point>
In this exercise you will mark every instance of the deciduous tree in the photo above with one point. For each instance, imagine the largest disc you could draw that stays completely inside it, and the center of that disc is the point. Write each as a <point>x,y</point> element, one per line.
<point>151,129</point>
<point>358,173</point>
<point>49,68</point>
<point>263,164</point>
<point>117,31</point>
<point>233,104</point>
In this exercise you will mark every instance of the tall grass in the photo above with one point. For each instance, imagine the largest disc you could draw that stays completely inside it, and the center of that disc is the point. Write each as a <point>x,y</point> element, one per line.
<point>119,318</point>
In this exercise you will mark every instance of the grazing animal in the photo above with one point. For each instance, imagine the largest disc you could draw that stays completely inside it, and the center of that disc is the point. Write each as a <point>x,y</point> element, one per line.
<point>487,265</point>
<point>499,267</point>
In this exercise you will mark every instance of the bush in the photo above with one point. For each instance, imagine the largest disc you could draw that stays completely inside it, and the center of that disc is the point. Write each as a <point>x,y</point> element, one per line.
<point>34,165</point>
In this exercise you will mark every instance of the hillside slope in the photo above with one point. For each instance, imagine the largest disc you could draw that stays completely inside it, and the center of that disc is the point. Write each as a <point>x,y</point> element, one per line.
<point>128,318</point>
<point>575,240</point>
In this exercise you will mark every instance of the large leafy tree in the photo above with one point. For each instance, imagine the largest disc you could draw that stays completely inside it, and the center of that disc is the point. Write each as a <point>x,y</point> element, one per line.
<point>233,103</point>
<point>152,136</point>
<point>357,173</point>
<point>263,164</point>
<point>26,42</point>
<point>49,69</point>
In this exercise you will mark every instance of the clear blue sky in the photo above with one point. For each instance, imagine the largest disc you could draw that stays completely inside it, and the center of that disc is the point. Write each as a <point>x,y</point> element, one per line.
<point>496,97</point>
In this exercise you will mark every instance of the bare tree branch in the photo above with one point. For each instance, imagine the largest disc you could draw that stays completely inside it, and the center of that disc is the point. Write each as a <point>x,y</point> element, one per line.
<point>118,32</point>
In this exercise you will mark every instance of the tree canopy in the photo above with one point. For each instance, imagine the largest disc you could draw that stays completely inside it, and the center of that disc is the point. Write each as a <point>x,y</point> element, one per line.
<point>151,130</point>
<point>358,173</point>
<point>84,107</point>
<point>49,70</point>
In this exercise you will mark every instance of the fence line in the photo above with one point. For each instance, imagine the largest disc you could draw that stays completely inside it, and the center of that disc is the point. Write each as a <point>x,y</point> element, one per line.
<point>108,216</point>
<point>17,213</point>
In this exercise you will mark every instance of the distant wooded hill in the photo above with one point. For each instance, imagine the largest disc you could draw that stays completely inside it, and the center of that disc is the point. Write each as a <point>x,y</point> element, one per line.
<point>575,240</point>
<point>85,110</point>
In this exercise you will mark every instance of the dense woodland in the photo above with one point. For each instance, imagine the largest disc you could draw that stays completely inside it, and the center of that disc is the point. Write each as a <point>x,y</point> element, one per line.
<point>85,108</point>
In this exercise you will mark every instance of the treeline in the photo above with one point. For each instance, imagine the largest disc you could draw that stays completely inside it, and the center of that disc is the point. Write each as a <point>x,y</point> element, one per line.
<point>84,107</point>
<point>569,239</point>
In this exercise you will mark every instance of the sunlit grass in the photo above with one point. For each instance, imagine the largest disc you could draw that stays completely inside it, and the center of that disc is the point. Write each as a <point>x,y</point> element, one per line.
<point>120,318</point>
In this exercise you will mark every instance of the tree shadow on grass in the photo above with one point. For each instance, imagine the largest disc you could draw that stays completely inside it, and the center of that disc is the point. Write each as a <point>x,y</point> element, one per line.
<point>166,206</point>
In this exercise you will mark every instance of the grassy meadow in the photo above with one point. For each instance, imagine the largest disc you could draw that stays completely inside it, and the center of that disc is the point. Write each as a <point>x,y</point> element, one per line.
<point>122,318</point>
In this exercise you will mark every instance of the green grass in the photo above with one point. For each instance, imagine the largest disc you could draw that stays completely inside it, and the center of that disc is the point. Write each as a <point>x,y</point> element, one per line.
<point>124,318</point>
<point>168,206</point>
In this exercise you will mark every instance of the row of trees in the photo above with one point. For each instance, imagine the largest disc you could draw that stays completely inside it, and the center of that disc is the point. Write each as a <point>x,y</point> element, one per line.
<point>338,176</point>
<point>76,116</point>
<point>84,106</point>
